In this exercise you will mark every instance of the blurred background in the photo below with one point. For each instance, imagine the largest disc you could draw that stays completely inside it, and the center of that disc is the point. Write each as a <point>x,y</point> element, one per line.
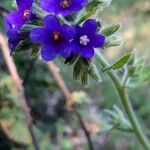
<point>54,126</point>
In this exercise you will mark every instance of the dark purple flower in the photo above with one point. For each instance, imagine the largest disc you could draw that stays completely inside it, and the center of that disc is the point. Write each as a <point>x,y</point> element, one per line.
<point>87,39</point>
<point>63,7</point>
<point>54,38</point>
<point>16,19</point>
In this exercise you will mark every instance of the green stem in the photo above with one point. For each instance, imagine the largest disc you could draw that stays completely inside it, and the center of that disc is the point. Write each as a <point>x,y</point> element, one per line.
<point>125,102</point>
<point>125,77</point>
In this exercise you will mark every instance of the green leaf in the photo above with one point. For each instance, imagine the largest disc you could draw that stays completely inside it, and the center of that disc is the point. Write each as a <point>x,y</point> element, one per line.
<point>86,62</point>
<point>35,50</point>
<point>35,22</point>
<point>110,30</point>
<point>27,28</point>
<point>112,41</point>
<point>23,46</point>
<point>66,144</point>
<point>91,8</point>
<point>121,62</point>
<point>84,78</point>
<point>77,70</point>
<point>88,15</point>
<point>38,11</point>
<point>20,127</point>
<point>94,73</point>
<point>70,60</point>
<point>131,60</point>
<point>99,4</point>
<point>109,44</point>
<point>145,74</point>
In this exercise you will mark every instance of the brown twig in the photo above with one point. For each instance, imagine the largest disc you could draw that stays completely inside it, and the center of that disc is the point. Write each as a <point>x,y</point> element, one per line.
<point>55,72</point>
<point>18,82</point>
<point>69,103</point>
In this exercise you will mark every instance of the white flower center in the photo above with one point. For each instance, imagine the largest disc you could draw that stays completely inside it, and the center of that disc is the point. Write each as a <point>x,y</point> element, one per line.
<point>13,26</point>
<point>65,3</point>
<point>84,40</point>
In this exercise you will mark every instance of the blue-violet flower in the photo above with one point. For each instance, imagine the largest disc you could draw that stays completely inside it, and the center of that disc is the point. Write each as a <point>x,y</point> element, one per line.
<point>87,39</point>
<point>54,38</point>
<point>16,19</point>
<point>63,7</point>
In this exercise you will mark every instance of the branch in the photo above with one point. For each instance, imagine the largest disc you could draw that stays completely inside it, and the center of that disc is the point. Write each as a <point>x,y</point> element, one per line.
<point>125,102</point>
<point>69,103</point>
<point>18,82</point>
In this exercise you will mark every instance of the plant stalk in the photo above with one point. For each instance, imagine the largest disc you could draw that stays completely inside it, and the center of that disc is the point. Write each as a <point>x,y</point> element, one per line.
<point>18,81</point>
<point>125,102</point>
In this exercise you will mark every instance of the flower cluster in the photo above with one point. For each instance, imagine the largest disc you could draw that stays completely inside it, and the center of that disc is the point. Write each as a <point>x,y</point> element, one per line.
<point>15,20</point>
<point>55,37</point>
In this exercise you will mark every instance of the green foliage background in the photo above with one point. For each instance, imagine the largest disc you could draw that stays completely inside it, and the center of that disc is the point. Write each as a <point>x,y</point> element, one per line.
<point>53,124</point>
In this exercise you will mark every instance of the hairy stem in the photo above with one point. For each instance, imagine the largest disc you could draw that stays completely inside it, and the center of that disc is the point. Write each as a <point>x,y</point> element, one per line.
<point>125,102</point>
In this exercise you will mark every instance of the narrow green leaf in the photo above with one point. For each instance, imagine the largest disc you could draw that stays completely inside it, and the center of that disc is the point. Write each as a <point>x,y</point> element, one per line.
<point>27,28</point>
<point>93,4</point>
<point>86,62</point>
<point>109,44</point>
<point>77,70</point>
<point>110,30</point>
<point>70,60</point>
<point>84,78</point>
<point>35,50</point>
<point>100,4</point>
<point>88,15</point>
<point>121,62</point>
<point>37,10</point>
<point>23,46</point>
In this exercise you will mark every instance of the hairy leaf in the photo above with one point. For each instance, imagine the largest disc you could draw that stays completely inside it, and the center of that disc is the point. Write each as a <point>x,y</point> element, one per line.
<point>121,62</point>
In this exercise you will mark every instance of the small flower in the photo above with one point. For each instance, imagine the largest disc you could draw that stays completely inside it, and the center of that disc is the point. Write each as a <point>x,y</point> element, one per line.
<point>54,38</point>
<point>15,20</point>
<point>63,7</point>
<point>18,18</point>
<point>87,39</point>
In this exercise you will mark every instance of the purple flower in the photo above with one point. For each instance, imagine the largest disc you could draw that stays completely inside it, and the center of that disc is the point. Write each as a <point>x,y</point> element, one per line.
<point>16,19</point>
<point>63,7</point>
<point>87,39</point>
<point>54,38</point>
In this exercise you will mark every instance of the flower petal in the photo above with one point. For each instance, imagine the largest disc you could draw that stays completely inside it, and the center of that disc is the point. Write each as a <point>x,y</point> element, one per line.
<point>49,5</point>
<point>76,48</point>
<point>24,4</point>
<point>90,25</point>
<point>99,40</point>
<point>14,20</point>
<point>51,22</point>
<point>65,53</point>
<point>68,32</point>
<point>87,52</point>
<point>48,53</point>
<point>66,50</point>
<point>40,35</point>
